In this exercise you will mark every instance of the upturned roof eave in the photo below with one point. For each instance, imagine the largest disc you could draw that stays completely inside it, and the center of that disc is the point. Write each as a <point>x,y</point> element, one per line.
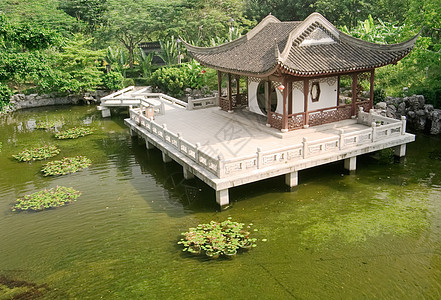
<point>308,74</point>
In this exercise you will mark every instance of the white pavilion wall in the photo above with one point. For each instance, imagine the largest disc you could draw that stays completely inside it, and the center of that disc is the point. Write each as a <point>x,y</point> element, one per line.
<point>252,97</point>
<point>328,94</point>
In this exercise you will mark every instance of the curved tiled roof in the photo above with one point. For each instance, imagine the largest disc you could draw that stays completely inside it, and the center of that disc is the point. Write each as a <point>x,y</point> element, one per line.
<point>312,47</point>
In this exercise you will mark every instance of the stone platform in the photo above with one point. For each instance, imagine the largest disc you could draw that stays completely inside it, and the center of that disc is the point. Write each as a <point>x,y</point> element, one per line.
<point>230,149</point>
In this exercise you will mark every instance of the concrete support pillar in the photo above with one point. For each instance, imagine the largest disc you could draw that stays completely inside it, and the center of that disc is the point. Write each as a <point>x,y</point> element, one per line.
<point>351,163</point>
<point>148,145</point>
<point>292,179</point>
<point>222,198</point>
<point>166,158</point>
<point>105,112</point>
<point>187,174</point>
<point>132,132</point>
<point>400,150</point>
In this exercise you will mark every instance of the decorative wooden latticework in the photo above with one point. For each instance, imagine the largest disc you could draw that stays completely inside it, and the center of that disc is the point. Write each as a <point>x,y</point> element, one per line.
<point>329,115</point>
<point>275,120</point>
<point>224,104</point>
<point>295,121</point>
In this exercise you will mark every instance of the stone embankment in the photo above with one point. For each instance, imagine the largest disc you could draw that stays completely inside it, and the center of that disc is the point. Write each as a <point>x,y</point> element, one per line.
<point>420,116</point>
<point>21,101</point>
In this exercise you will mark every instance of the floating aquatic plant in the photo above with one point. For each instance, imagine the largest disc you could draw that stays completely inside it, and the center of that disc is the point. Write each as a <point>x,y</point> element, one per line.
<point>73,133</point>
<point>48,124</point>
<point>45,199</point>
<point>39,153</point>
<point>218,238</point>
<point>66,165</point>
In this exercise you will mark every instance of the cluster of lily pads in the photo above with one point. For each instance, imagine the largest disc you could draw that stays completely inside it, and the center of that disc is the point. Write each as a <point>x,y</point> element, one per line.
<point>48,124</point>
<point>45,199</point>
<point>39,153</point>
<point>218,238</point>
<point>73,133</point>
<point>66,165</point>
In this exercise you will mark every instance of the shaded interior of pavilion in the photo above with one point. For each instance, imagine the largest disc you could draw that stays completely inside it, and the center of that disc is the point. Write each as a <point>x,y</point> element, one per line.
<point>276,101</point>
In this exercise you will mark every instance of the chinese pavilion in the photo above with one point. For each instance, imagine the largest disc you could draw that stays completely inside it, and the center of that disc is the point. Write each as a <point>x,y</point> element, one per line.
<point>292,72</point>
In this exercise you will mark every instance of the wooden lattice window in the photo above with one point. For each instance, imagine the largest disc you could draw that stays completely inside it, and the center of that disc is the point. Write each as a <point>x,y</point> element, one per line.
<point>315,91</point>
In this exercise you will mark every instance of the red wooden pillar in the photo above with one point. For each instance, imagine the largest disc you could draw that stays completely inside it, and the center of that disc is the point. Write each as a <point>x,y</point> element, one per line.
<point>238,100</point>
<point>338,90</point>
<point>230,100</point>
<point>219,87</point>
<point>285,105</point>
<point>289,87</point>
<point>354,94</point>
<point>371,91</point>
<point>268,95</point>
<point>305,105</point>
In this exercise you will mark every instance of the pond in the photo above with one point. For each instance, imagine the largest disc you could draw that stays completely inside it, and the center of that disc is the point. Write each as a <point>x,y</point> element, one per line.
<point>375,233</point>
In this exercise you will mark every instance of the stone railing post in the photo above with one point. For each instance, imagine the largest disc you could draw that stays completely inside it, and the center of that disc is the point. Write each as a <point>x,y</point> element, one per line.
<point>216,99</point>
<point>305,147</point>
<point>164,128</point>
<point>196,154</point>
<point>341,140</point>
<point>371,116</point>
<point>403,125</point>
<point>259,161</point>
<point>190,103</point>
<point>374,131</point>
<point>220,167</point>
<point>179,141</point>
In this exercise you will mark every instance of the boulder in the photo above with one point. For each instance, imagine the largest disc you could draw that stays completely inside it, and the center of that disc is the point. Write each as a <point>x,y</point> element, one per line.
<point>435,116</point>
<point>381,105</point>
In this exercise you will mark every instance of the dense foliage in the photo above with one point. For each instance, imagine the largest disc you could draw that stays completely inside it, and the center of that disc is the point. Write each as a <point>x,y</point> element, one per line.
<point>45,199</point>
<point>52,45</point>
<point>174,80</point>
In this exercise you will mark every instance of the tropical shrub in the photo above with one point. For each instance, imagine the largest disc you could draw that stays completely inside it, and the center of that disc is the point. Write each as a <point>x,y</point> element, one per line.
<point>218,238</point>
<point>73,133</point>
<point>39,153</point>
<point>174,80</point>
<point>113,80</point>
<point>45,199</point>
<point>5,95</point>
<point>66,165</point>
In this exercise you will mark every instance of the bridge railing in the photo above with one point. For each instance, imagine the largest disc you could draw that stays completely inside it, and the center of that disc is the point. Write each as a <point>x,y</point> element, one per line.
<point>381,128</point>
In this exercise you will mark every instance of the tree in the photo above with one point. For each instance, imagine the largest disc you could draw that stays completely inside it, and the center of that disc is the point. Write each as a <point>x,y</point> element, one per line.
<point>76,66</point>
<point>45,13</point>
<point>284,10</point>
<point>131,22</point>
<point>89,11</point>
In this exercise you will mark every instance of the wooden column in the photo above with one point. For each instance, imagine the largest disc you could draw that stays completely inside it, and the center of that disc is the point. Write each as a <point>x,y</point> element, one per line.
<point>338,90</point>
<point>285,106</point>
<point>219,86</point>
<point>230,100</point>
<point>238,100</point>
<point>371,91</point>
<point>268,95</point>
<point>354,94</point>
<point>305,107</point>
<point>289,87</point>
